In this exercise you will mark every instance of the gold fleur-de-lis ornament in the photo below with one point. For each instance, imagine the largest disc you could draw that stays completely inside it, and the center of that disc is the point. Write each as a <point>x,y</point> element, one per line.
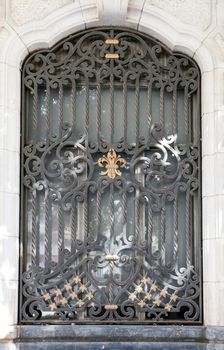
<point>111,161</point>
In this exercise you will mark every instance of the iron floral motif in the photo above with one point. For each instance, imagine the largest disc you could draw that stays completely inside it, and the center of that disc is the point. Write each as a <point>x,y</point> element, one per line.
<point>111,161</point>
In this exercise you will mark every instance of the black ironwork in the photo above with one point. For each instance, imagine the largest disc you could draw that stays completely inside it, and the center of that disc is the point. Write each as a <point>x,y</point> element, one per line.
<point>111,191</point>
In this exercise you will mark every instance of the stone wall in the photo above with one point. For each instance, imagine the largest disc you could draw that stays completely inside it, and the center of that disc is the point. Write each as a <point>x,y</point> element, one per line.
<point>195,27</point>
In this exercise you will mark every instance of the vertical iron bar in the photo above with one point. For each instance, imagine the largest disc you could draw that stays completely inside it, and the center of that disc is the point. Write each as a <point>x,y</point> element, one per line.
<point>137,219</point>
<point>85,218</point>
<point>163,231</point>
<point>73,225</point>
<point>47,233</point>
<point>73,105</point>
<point>186,111</point>
<point>124,214</point>
<point>34,258</point>
<point>35,111</point>
<point>48,238</point>
<point>125,109</point>
<point>149,102</point>
<point>187,231</point>
<point>174,107</point>
<point>175,228</point>
<point>137,110</point>
<point>111,205</point>
<point>60,109</point>
<point>111,108</point>
<point>38,228</point>
<point>47,106</point>
<point>98,216</point>
<point>161,106</point>
<point>190,121</point>
<point>60,233</point>
<point>111,283</point>
<point>149,227</point>
<point>87,108</point>
<point>98,111</point>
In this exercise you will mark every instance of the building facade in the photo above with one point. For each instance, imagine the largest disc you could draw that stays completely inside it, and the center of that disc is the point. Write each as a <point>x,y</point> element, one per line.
<point>192,28</point>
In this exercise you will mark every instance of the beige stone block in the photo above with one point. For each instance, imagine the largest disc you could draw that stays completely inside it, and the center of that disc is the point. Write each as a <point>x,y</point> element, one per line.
<point>134,11</point>
<point>213,260</point>
<point>215,44</point>
<point>219,291</point>
<point>209,217</point>
<point>9,257</point>
<point>212,133</point>
<point>8,332</point>
<point>207,92</point>
<point>213,174</point>
<point>22,12</point>
<point>183,10</point>
<point>219,256</point>
<point>218,131</point>
<point>9,129</point>
<point>90,14</point>
<point>208,181</point>
<point>9,171</point>
<point>218,173</point>
<point>211,304</point>
<point>13,50</point>
<point>219,89</point>
<point>59,24</point>
<point>9,305</point>
<point>9,214</point>
<point>209,140</point>
<point>10,87</point>
<point>176,35</point>
<point>219,12</point>
<point>210,260</point>
<point>112,12</point>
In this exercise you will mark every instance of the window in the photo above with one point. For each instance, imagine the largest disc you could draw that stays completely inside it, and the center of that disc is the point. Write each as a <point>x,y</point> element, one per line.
<point>110,182</point>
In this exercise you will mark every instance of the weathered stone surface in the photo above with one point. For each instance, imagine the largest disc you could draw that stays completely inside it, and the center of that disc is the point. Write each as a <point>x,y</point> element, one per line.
<point>113,333</point>
<point>107,346</point>
<point>2,12</point>
<point>23,11</point>
<point>194,12</point>
<point>117,337</point>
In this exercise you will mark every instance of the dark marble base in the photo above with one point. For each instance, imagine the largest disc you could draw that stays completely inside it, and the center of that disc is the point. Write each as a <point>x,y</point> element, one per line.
<point>108,337</point>
<point>113,346</point>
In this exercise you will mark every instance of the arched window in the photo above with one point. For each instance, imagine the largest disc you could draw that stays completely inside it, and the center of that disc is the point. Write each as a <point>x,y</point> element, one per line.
<point>110,182</point>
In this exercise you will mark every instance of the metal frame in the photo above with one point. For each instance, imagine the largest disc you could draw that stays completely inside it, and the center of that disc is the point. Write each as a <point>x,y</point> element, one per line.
<point>158,171</point>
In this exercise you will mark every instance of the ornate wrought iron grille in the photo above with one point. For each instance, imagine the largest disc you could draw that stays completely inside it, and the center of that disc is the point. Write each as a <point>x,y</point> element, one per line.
<point>110,182</point>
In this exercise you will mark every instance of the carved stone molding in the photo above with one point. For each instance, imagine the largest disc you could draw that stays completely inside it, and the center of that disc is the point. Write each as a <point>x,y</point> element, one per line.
<point>112,12</point>
<point>2,12</point>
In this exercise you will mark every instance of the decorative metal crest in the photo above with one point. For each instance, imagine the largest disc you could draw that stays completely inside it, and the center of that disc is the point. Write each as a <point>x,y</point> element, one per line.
<point>112,161</point>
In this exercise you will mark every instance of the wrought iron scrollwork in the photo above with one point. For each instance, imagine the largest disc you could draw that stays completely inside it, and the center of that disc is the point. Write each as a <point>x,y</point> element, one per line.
<point>118,244</point>
<point>155,292</point>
